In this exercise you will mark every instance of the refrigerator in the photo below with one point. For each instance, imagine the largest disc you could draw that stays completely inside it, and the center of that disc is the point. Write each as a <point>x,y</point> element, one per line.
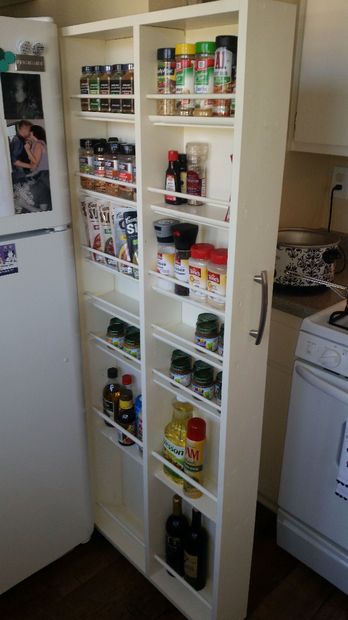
<point>45,507</point>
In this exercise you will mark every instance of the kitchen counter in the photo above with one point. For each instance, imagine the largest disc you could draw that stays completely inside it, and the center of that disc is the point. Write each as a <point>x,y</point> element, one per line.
<point>304,302</point>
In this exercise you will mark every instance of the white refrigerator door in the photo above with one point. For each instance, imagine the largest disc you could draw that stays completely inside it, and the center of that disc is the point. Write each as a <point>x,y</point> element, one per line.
<point>45,505</point>
<point>12,31</point>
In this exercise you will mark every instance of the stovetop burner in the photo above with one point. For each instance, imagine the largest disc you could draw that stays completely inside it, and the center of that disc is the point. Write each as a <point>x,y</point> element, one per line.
<point>340,318</point>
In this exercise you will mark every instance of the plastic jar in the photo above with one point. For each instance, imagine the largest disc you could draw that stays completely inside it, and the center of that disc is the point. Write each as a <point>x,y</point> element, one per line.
<point>184,237</point>
<point>198,270</point>
<point>131,343</point>
<point>165,250</point>
<point>116,332</point>
<point>115,88</point>
<point>111,167</point>
<point>100,151</point>
<point>87,71</point>
<point>104,88</point>
<point>166,80</point>
<point>221,340</point>
<point>197,153</point>
<point>94,88</point>
<point>126,171</point>
<point>207,331</point>
<point>203,380</point>
<point>185,58</point>
<point>127,88</point>
<point>204,77</point>
<point>218,388</point>
<point>217,270</point>
<point>225,73</point>
<point>181,368</point>
<point>86,156</point>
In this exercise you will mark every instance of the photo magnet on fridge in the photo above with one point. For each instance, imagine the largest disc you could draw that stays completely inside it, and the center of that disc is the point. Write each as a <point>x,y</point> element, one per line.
<point>8,259</point>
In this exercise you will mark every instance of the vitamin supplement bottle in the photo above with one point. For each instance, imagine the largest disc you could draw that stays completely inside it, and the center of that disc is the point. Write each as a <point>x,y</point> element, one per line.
<point>84,86</point>
<point>175,437</point>
<point>204,77</point>
<point>166,80</point>
<point>94,88</point>
<point>197,153</point>
<point>172,180</point>
<point>194,455</point>
<point>225,73</point>
<point>115,88</point>
<point>104,88</point>
<point>126,417</point>
<point>111,396</point>
<point>127,88</point>
<point>165,250</point>
<point>176,528</point>
<point>198,270</point>
<point>185,58</point>
<point>184,237</point>
<point>195,553</point>
<point>217,273</point>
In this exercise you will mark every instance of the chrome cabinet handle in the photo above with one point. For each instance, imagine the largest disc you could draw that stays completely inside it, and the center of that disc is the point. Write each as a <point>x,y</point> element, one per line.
<point>258,333</point>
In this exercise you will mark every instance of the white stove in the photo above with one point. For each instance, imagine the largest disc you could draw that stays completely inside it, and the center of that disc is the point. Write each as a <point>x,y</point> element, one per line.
<point>313,511</point>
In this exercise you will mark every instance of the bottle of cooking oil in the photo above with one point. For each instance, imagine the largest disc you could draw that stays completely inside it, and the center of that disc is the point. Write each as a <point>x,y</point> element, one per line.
<point>175,437</point>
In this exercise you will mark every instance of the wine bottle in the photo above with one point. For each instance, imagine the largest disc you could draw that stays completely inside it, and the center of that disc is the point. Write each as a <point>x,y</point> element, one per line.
<point>176,528</point>
<point>195,553</point>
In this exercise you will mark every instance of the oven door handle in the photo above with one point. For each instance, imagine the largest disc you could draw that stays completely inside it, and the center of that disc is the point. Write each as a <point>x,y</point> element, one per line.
<point>324,385</point>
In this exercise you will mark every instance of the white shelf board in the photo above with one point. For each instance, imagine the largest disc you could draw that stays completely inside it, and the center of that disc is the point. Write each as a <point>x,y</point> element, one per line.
<point>132,452</point>
<point>106,180</point>
<point>204,504</point>
<point>202,595</point>
<point>112,527</point>
<point>180,596</point>
<point>173,389</point>
<point>117,304</point>
<point>163,375</point>
<point>204,215</point>
<point>104,417</point>
<point>199,304</point>
<point>109,269</point>
<point>123,202</point>
<point>179,336</point>
<point>104,348</point>
<point>117,353</point>
<point>204,199</point>
<point>106,117</point>
<point>114,259</point>
<point>207,122</point>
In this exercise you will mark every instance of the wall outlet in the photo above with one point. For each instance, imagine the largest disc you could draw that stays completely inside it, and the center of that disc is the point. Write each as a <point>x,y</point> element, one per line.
<point>340,175</point>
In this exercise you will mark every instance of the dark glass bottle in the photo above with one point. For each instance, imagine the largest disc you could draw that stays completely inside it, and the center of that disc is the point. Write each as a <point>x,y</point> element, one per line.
<point>172,181</point>
<point>176,528</point>
<point>111,396</point>
<point>195,553</point>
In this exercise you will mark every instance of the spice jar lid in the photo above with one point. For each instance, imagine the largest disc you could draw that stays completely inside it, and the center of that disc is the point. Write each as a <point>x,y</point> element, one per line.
<point>201,250</point>
<point>219,256</point>
<point>203,375</point>
<point>182,363</point>
<point>166,53</point>
<point>116,321</point>
<point>113,139</point>
<point>112,373</point>
<point>199,365</point>
<point>184,235</point>
<point>127,149</point>
<point>196,429</point>
<point>173,156</point>
<point>87,69</point>
<point>99,68</point>
<point>182,158</point>
<point>129,66</point>
<point>205,47</point>
<point>100,149</point>
<point>108,68</point>
<point>133,335</point>
<point>184,49</point>
<point>227,41</point>
<point>117,68</point>
<point>163,229</point>
<point>127,379</point>
<point>207,317</point>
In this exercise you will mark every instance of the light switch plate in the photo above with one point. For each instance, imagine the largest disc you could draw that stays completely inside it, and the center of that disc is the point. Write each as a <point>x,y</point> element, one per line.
<point>340,175</point>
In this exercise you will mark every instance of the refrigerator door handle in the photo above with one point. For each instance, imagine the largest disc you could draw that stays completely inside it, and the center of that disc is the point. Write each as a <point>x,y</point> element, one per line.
<point>258,333</point>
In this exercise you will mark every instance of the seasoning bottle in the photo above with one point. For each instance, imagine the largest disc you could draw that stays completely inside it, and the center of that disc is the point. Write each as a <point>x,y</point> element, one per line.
<point>94,88</point>
<point>181,368</point>
<point>104,88</point>
<point>185,56</point>
<point>139,419</point>
<point>207,331</point>
<point>126,417</point>
<point>198,270</point>
<point>175,437</point>
<point>111,396</point>
<point>131,343</point>
<point>166,80</point>
<point>165,250</point>
<point>84,86</point>
<point>111,167</point>
<point>194,454</point>
<point>183,174</point>
<point>127,88</point>
<point>218,388</point>
<point>203,380</point>
<point>86,156</point>
<point>184,237</point>
<point>126,170</point>
<point>197,153</point>
<point>204,77</point>
<point>195,553</point>
<point>116,332</point>
<point>221,341</point>
<point>172,180</point>
<point>217,273</point>
<point>100,150</point>
<point>115,88</point>
<point>225,73</point>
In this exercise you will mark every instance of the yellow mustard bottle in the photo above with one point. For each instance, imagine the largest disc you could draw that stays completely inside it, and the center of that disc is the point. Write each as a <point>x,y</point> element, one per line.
<point>175,437</point>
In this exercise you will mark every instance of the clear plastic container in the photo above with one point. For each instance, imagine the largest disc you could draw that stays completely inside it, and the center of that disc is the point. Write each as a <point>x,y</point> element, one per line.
<point>87,71</point>
<point>126,171</point>
<point>196,153</point>
<point>185,58</point>
<point>94,88</point>
<point>115,88</point>
<point>225,73</point>
<point>166,80</point>
<point>217,274</point>
<point>204,77</point>
<point>127,88</point>
<point>104,87</point>
<point>198,270</point>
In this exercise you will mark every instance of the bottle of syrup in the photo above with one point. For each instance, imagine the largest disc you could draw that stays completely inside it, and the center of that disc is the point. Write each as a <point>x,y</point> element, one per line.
<point>173,182</point>
<point>195,553</point>
<point>111,396</point>
<point>176,528</point>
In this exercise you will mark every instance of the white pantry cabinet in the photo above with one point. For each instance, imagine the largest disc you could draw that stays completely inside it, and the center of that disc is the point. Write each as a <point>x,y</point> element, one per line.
<point>320,121</point>
<point>132,497</point>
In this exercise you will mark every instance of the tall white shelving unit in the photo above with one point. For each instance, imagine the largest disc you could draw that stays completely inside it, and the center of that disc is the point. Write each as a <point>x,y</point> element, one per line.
<point>131,494</point>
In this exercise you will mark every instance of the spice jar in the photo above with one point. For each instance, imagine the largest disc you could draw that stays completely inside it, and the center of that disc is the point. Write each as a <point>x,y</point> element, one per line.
<point>104,88</point>
<point>221,340</point>
<point>84,86</point>
<point>127,88</point>
<point>94,88</point>
<point>86,156</point>
<point>181,368</point>
<point>218,388</point>
<point>184,56</point>
<point>184,237</point>
<point>131,343</point>
<point>225,73</point>
<point>126,170</point>
<point>204,77</point>
<point>198,270</point>
<point>111,167</point>
<point>217,270</point>
<point>165,250</point>
<point>166,80</point>
<point>207,331</point>
<point>116,332</point>
<point>115,88</point>
<point>100,151</point>
<point>203,380</point>
<point>197,153</point>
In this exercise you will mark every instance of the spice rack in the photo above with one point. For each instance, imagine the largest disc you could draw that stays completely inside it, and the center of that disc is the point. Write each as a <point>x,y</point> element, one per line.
<point>132,504</point>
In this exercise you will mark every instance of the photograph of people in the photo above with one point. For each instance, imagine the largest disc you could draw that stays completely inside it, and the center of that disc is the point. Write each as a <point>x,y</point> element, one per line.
<point>21,96</point>
<point>20,161</point>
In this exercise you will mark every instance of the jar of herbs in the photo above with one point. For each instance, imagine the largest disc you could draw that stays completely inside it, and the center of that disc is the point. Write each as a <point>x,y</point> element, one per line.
<point>111,167</point>
<point>94,88</point>
<point>207,331</point>
<point>203,380</point>
<point>185,58</point>
<point>84,86</point>
<point>166,80</point>
<point>127,88</point>
<point>126,171</point>
<point>116,332</point>
<point>181,368</point>
<point>204,77</point>
<point>100,151</point>
<point>131,343</point>
<point>115,88</point>
<point>104,88</point>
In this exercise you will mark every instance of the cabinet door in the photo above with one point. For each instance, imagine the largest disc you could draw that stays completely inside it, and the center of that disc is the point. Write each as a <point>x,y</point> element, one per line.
<point>321,120</point>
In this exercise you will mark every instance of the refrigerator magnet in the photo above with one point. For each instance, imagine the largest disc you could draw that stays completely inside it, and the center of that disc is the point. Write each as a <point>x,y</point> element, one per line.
<point>8,259</point>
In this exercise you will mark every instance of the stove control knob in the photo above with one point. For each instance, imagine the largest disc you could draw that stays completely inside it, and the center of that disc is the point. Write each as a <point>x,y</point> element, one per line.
<point>330,358</point>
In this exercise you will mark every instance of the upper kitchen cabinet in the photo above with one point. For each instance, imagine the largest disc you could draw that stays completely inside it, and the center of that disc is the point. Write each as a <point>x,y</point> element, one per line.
<point>320,102</point>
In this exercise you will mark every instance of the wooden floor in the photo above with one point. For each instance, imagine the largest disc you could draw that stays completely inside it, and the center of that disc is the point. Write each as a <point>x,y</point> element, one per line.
<point>94,582</point>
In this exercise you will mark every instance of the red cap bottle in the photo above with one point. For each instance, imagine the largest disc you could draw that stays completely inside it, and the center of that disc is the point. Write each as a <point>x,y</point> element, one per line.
<point>127,380</point>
